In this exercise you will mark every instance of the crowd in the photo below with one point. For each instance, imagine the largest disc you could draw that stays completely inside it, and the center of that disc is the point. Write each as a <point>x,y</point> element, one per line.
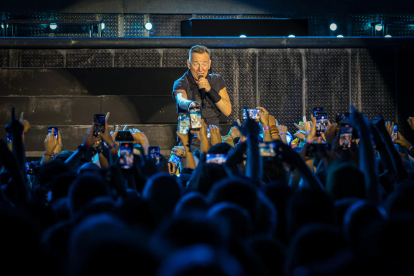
<point>341,212</point>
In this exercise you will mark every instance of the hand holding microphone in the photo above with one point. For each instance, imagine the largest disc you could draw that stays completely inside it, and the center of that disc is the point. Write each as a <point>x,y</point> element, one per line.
<point>203,83</point>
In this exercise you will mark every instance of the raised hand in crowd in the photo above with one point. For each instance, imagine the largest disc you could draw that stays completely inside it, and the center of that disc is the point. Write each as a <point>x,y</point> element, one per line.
<point>329,135</point>
<point>15,129</point>
<point>50,145</point>
<point>265,124</point>
<point>186,139</point>
<point>410,121</point>
<point>215,135</point>
<point>282,132</point>
<point>179,151</point>
<point>390,127</point>
<point>306,126</point>
<point>115,133</point>
<point>312,133</point>
<point>141,139</point>
<point>202,136</point>
<point>26,125</point>
<point>59,145</point>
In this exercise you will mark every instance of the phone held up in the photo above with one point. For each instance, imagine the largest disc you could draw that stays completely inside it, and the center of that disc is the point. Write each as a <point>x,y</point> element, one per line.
<point>183,123</point>
<point>124,136</point>
<point>321,122</point>
<point>99,120</point>
<point>394,134</point>
<point>317,150</point>
<point>253,114</point>
<point>345,139</point>
<point>154,153</point>
<point>316,109</point>
<point>216,158</point>
<point>126,158</point>
<point>195,118</point>
<point>55,130</point>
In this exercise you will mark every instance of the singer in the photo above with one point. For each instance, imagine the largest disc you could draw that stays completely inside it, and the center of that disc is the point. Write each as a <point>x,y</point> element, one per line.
<point>199,88</point>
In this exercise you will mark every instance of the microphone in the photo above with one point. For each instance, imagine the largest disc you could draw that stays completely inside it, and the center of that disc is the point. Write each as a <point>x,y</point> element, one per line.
<point>202,90</point>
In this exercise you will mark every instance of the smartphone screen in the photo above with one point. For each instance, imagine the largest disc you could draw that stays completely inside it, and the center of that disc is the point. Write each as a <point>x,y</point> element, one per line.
<point>154,154</point>
<point>316,109</point>
<point>317,150</point>
<point>195,117</point>
<point>126,158</point>
<point>267,149</point>
<point>345,138</point>
<point>183,123</point>
<point>321,122</point>
<point>29,168</point>
<point>340,117</point>
<point>394,133</point>
<point>174,159</point>
<point>56,130</point>
<point>253,114</point>
<point>208,133</point>
<point>124,136</point>
<point>9,137</point>
<point>216,158</point>
<point>99,120</point>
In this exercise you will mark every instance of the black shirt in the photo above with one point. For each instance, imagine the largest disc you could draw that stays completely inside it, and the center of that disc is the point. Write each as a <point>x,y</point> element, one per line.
<point>209,111</point>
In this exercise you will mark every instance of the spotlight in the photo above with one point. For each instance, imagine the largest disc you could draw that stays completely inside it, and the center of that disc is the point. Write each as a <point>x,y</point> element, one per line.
<point>243,36</point>
<point>339,36</point>
<point>388,36</point>
<point>148,26</point>
<point>291,35</point>
<point>2,25</point>
<point>102,26</point>
<point>333,27</point>
<point>378,27</point>
<point>53,26</point>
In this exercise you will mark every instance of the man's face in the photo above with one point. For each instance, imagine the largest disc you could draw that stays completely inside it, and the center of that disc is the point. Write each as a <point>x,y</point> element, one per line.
<point>199,64</point>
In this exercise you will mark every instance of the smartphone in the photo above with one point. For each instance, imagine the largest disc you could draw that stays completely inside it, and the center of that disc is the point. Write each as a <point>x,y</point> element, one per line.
<point>317,150</point>
<point>174,159</point>
<point>195,118</point>
<point>394,133</point>
<point>253,114</point>
<point>124,136</point>
<point>208,133</point>
<point>321,122</point>
<point>345,138</point>
<point>9,138</point>
<point>267,149</point>
<point>340,117</point>
<point>154,153</point>
<point>316,109</point>
<point>126,158</point>
<point>56,130</point>
<point>216,158</point>
<point>99,120</point>
<point>183,123</point>
<point>29,168</point>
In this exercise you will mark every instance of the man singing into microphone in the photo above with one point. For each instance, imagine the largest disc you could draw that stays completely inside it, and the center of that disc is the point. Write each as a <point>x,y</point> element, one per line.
<point>198,88</point>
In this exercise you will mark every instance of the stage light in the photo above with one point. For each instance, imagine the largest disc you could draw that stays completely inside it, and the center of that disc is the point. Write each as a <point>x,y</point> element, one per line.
<point>291,35</point>
<point>102,26</point>
<point>53,26</point>
<point>339,36</point>
<point>378,27</point>
<point>333,27</point>
<point>2,25</point>
<point>243,36</point>
<point>148,26</point>
<point>388,36</point>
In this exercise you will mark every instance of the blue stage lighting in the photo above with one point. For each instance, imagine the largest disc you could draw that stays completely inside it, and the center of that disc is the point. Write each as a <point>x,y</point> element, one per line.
<point>243,36</point>
<point>339,36</point>
<point>148,26</point>
<point>53,26</point>
<point>102,26</point>
<point>291,35</point>
<point>378,27</point>
<point>333,27</point>
<point>388,36</point>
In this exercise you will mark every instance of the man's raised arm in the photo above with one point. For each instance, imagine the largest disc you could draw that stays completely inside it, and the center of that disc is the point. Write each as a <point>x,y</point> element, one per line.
<point>181,99</point>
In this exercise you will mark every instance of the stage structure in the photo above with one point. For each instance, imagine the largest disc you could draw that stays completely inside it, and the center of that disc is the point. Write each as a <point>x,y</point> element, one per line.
<point>64,81</point>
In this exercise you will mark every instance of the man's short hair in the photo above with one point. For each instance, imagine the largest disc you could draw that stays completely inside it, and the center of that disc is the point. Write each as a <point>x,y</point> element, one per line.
<point>199,49</point>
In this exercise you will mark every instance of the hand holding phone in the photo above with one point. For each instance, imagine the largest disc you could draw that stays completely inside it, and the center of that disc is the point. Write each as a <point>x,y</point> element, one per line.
<point>55,130</point>
<point>183,123</point>
<point>154,153</point>
<point>321,122</point>
<point>124,136</point>
<point>253,114</point>
<point>317,150</point>
<point>316,109</point>
<point>216,158</point>
<point>394,134</point>
<point>345,139</point>
<point>267,149</point>
<point>195,118</point>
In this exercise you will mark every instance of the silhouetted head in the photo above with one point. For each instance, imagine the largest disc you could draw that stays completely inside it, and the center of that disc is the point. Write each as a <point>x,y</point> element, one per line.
<point>220,148</point>
<point>193,201</point>
<point>205,176</point>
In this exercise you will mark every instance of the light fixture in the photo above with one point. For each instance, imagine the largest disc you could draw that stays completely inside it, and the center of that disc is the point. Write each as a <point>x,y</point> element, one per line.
<point>243,36</point>
<point>2,25</point>
<point>333,27</point>
<point>148,26</point>
<point>102,26</point>
<point>387,36</point>
<point>378,27</point>
<point>53,26</point>
<point>291,35</point>
<point>339,36</point>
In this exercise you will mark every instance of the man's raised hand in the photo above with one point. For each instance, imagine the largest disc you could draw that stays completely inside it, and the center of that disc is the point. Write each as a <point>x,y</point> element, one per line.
<point>14,127</point>
<point>106,136</point>
<point>215,135</point>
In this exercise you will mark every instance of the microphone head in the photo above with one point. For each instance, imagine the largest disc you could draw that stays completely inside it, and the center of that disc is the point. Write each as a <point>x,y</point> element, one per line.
<point>200,75</point>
